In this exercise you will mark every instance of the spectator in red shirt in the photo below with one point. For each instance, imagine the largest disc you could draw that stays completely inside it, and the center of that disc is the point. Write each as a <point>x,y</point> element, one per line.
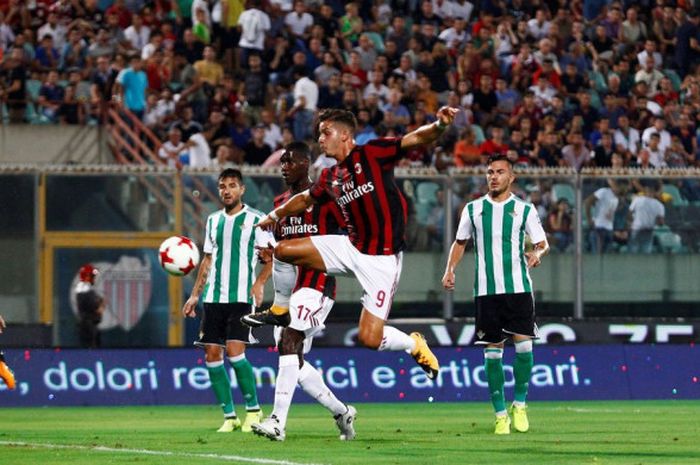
<point>495,144</point>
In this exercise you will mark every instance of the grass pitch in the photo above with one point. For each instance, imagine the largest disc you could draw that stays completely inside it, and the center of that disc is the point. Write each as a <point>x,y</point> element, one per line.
<point>639,432</point>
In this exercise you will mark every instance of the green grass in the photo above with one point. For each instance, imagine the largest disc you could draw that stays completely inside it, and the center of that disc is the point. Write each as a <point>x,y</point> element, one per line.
<point>644,432</point>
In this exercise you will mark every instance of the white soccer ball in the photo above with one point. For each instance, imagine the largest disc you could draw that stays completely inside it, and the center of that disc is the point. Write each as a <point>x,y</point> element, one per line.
<point>178,255</point>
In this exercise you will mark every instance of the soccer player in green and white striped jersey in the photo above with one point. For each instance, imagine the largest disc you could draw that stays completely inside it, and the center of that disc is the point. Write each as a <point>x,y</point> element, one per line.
<point>227,280</point>
<point>498,223</point>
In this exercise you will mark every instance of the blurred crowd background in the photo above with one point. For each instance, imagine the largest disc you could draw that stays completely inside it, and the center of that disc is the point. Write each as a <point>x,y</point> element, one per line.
<point>554,83</point>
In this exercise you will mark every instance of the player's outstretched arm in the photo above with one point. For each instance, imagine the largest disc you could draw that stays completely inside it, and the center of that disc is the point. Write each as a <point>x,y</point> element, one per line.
<point>456,254</point>
<point>2,324</point>
<point>429,133</point>
<point>189,309</point>
<point>296,204</point>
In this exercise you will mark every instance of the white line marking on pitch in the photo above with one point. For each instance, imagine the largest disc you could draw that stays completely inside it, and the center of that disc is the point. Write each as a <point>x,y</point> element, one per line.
<point>228,458</point>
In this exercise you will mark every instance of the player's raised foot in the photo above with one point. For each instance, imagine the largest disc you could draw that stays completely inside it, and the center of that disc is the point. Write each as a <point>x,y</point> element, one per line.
<point>270,428</point>
<point>253,416</point>
<point>424,356</point>
<point>502,424</point>
<point>230,425</point>
<point>520,422</point>
<point>266,317</point>
<point>346,423</point>
<point>7,376</point>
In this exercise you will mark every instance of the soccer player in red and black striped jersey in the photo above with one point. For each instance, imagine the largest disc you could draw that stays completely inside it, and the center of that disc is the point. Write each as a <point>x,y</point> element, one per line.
<point>362,184</point>
<point>310,294</point>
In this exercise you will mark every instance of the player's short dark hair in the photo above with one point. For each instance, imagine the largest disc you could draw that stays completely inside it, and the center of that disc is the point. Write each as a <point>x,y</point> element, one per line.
<point>231,173</point>
<point>299,148</point>
<point>499,157</point>
<point>338,116</point>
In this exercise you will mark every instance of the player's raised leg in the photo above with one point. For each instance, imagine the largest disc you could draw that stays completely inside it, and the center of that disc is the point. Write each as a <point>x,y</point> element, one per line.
<point>284,276</point>
<point>522,370</point>
<point>287,255</point>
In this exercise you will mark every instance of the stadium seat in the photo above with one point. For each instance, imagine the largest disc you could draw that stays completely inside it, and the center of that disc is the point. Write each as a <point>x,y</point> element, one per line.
<point>377,41</point>
<point>425,192</point>
<point>667,240</point>
<point>33,87</point>
<point>598,81</point>
<point>676,196</point>
<point>595,99</point>
<point>675,79</point>
<point>479,136</point>
<point>564,191</point>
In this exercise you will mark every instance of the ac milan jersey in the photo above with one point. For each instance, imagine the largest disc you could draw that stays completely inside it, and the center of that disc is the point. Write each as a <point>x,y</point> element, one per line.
<point>315,220</point>
<point>364,187</point>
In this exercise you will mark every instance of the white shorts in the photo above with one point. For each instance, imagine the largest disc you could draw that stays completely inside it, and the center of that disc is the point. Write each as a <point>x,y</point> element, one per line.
<point>308,309</point>
<point>378,274</point>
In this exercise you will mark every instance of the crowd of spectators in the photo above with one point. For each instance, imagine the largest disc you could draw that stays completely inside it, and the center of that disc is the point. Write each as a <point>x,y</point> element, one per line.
<point>549,83</point>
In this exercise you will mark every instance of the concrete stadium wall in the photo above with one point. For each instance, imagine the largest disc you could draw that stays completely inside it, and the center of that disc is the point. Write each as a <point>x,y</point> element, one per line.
<point>25,143</point>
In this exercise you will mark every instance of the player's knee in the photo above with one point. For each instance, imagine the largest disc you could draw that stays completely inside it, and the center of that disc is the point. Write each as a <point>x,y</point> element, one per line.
<point>369,339</point>
<point>283,251</point>
<point>291,342</point>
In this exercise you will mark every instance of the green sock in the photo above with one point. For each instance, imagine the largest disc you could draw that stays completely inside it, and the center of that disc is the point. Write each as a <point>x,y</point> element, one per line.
<point>221,386</point>
<point>496,378</point>
<point>246,382</point>
<point>522,369</point>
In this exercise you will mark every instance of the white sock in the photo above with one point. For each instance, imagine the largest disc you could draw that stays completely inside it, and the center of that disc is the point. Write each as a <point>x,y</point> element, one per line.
<point>284,276</point>
<point>394,339</point>
<point>312,383</point>
<point>287,377</point>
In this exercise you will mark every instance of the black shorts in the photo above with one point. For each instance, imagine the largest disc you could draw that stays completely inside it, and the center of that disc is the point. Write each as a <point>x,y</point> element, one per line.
<point>222,322</point>
<point>498,316</point>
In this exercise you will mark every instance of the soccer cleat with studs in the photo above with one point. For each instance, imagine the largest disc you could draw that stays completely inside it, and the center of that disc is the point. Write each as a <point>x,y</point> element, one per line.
<point>252,416</point>
<point>520,421</point>
<point>346,423</point>
<point>6,374</point>
<point>502,424</point>
<point>270,428</point>
<point>424,357</point>
<point>230,425</point>
<point>266,317</point>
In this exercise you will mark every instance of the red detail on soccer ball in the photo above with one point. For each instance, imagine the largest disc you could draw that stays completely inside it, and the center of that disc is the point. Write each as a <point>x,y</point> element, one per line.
<point>178,255</point>
<point>190,266</point>
<point>186,241</point>
<point>164,257</point>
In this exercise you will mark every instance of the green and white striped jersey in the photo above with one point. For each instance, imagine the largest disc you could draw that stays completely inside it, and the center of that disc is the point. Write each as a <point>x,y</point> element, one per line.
<point>231,241</point>
<point>499,229</point>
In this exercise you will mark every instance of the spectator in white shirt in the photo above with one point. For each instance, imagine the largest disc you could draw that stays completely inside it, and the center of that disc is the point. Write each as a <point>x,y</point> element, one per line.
<point>645,213</point>
<point>538,27</point>
<point>627,136</point>
<point>273,133</point>
<point>462,9</point>
<point>659,128</point>
<point>650,75</point>
<point>299,21</point>
<point>650,51</point>
<point>173,148</point>
<point>455,36</point>
<point>253,24</point>
<point>601,221</point>
<point>305,101</point>
<point>55,29</point>
<point>137,34</point>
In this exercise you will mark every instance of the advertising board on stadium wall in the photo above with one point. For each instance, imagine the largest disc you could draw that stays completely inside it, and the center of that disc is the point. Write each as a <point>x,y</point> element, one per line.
<point>179,376</point>
<point>455,333</point>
